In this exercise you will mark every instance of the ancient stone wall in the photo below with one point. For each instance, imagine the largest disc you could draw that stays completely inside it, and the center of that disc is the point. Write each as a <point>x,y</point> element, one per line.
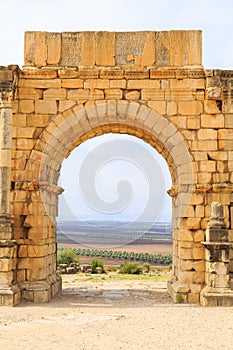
<point>75,86</point>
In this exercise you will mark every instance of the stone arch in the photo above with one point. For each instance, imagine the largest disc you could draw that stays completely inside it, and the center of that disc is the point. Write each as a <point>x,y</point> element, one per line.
<point>82,122</point>
<point>67,130</point>
<point>56,102</point>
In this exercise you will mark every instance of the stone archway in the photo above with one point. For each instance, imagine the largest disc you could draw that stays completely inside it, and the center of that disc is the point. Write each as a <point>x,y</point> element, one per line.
<point>63,134</point>
<point>78,85</point>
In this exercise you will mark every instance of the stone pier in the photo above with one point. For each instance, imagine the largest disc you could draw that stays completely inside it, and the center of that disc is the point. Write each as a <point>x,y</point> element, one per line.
<point>219,258</point>
<point>9,291</point>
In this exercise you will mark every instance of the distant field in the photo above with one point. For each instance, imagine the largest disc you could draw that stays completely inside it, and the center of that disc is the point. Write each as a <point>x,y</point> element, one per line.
<point>103,235</point>
<point>153,248</point>
<point>107,233</point>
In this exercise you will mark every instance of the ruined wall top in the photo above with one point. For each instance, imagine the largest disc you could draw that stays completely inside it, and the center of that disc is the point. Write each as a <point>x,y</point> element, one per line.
<point>146,48</point>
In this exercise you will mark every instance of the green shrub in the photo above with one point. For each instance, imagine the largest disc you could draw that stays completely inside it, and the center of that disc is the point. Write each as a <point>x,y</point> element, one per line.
<point>146,267</point>
<point>96,263</point>
<point>66,256</point>
<point>179,298</point>
<point>131,268</point>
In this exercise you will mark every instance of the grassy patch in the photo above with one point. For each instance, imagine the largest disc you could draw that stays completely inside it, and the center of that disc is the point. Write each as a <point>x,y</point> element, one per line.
<point>114,277</point>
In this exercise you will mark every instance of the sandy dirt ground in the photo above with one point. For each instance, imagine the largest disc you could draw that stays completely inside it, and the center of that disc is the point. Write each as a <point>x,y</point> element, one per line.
<point>127,315</point>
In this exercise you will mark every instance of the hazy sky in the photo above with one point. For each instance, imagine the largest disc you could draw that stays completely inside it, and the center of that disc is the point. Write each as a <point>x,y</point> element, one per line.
<point>213,17</point>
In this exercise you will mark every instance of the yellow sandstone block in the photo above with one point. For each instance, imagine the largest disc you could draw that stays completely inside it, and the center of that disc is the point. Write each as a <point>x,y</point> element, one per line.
<point>212,121</point>
<point>54,48</point>
<point>193,123</point>
<point>40,83</point>
<point>132,95</point>
<point>210,107</point>
<point>143,84</point>
<point>72,83</point>
<point>96,84</point>
<point>26,132</point>
<point>55,94</point>
<point>30,93</point>
<point>88,49</point>
<point>148,53</point>
<point>65,104</point>
<point>45,107</point>
<point>26,106</point>
<point>152,94</point>
<point>187,84</point>
<point>207,134</point>
<point>171,108</point>
<point>158,106</point>
<point>115,84</point>
<point>37,120</point>
<point>105,48</point>
<point>35,49</point>
<point>205,145</point>
<point>226,135</point>
<point>208,166</point>
<point>113,94</point>
<point>23,143</point>
<point>96,94</point>
<point>190,107</point>
<point>185,47</point>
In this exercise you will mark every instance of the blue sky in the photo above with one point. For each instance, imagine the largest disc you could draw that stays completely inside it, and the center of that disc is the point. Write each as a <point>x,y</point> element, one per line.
<point>213,17</point>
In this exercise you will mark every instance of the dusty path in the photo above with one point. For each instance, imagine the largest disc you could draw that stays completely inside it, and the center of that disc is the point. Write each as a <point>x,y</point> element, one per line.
<point>118,315</point>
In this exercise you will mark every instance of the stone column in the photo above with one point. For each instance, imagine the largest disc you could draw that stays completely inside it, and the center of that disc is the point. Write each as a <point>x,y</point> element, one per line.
<point>5,164</point>
<point>9,291</point>
<point>218,251</point>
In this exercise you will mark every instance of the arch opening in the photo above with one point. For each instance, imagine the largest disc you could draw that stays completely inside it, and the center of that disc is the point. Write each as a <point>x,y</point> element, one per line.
<point>116,192</point>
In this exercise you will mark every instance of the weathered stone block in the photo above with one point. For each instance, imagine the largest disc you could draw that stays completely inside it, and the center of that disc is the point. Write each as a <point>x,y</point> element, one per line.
<point>132,95</point>
<point>41,296</point>
<point>72,83</point>
<point>143,84</point>
<point>171,108</point>
<point>152,94</point>
<point>64,105</point>
<point>212,121</point>
<point>26,106</point>
<point>37,120</point>
<point>96,84</point>
<point>105,48</point>
<point>23,251</point>
<point>54,48</point>
<point>113,94</point>
<point>193,298</point>
<point>35,49</point>
<point>207,134</point>
<point>190,107</point>
<point>211,107</point>
<point>30,94</point>
<point>40,83</point>
<point>45,107</point>
<point>55,94</point>
<point>158,106</point>
<point>117,84</point>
